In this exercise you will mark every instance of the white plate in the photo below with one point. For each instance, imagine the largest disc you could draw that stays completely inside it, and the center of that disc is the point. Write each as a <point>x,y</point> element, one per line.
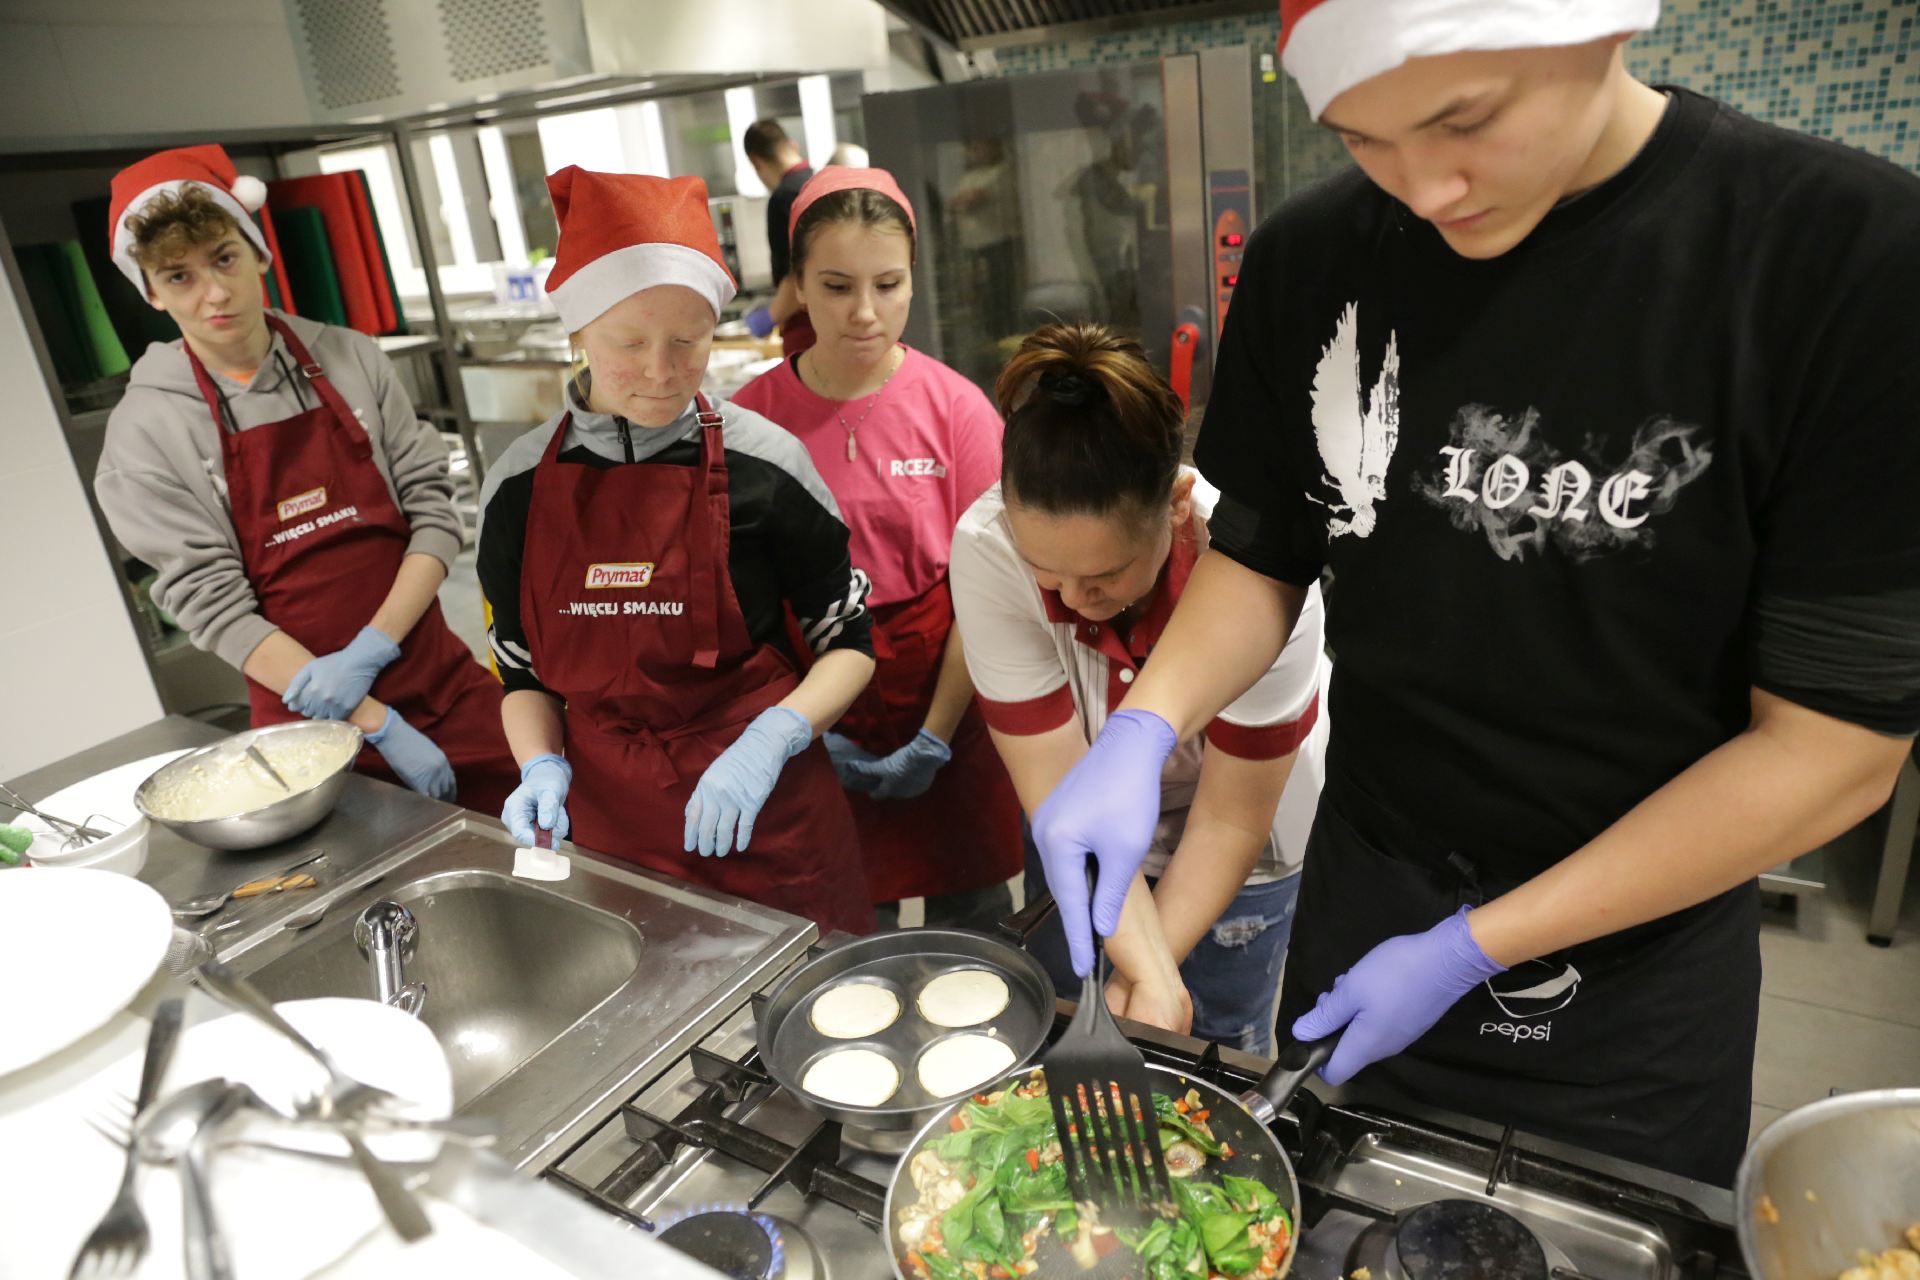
<point>105,800</point>
<point>104,795</point>
<point>282,1216</point>
<point>76,946</point>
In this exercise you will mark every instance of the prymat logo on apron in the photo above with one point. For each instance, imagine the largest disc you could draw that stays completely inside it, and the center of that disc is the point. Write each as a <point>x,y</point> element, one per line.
<point>301,503</point>
<point>1527,992</point>
<point>629,574</point>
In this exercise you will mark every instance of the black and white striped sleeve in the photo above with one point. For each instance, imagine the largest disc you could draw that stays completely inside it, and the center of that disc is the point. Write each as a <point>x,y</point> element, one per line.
<point>503,536</point>
<point>823,587</point>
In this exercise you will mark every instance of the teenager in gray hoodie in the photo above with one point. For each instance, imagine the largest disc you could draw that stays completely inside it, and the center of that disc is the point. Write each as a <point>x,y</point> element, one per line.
<point>299,515</point>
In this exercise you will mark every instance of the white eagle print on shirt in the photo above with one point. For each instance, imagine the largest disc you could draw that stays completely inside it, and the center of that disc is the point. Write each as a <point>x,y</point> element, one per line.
<point>1356,439</point>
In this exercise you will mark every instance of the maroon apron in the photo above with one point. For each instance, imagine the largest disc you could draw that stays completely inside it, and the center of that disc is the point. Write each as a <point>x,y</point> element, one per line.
<point>964,832</point>
<point>322,539</point>
<point>631,619</point>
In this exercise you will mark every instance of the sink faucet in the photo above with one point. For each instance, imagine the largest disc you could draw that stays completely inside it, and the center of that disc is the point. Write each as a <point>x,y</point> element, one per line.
<point>387,935</point>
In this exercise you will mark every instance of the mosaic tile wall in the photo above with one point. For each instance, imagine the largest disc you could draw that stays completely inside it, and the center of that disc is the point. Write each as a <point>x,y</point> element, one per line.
<point>1842,69</point>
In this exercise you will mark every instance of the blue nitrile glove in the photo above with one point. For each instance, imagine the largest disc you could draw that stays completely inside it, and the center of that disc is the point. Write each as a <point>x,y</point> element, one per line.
<point>1108,806</point>
<point>540,800</point>
<point>1394,994</point>
<point>420,764</point>
<point>845,752</point>
<point>332,685</point>
<point>760,322</point>
<point>731,791</point>
<point>905,773</point>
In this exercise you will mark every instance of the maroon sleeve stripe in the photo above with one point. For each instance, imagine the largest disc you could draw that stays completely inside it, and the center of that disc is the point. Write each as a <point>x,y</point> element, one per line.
<point>1035,715</point>
<point>1262,741</point>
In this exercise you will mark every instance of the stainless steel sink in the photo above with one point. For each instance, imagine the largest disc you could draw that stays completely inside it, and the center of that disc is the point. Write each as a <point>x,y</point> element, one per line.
<point>552,1000</point>
<point>508,967</point>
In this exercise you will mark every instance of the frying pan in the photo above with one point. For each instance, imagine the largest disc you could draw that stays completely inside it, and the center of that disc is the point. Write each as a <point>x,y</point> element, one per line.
<point>1238,1121</point>
<point>903,961</point>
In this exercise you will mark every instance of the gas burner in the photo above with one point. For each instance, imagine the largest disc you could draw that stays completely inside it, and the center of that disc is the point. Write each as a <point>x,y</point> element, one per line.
<point>1453,1240</point>
<point>746,1246</point>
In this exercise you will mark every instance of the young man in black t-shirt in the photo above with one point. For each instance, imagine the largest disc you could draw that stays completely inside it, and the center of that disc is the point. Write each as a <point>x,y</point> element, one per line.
<point>1599,401</point>
<point>783,171</point>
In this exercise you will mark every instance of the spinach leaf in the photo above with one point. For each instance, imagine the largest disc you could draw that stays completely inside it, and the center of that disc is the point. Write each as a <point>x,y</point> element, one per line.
<point>941,1267</point>
<point>1224,1236</point>
<point>990,1223</point>
<point>1148,1244</point>
<point>1026,1112</point>
<point>954,1148</point>
<point>1172,1119</point>
<point>1249,1194</point>
<point>1036,1192</point>
<point>957,1224</point>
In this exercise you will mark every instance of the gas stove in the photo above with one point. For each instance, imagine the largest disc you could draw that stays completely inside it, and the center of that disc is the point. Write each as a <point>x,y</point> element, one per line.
<point>717,1160</point>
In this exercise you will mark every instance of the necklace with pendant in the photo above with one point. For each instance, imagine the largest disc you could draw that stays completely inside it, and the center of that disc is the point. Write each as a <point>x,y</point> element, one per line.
<point>853,448</point>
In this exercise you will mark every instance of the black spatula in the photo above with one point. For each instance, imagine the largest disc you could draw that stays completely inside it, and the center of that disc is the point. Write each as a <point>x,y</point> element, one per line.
<point>1103,1108</point>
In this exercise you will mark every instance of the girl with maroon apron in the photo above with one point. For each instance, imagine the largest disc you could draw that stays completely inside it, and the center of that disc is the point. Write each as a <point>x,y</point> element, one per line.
<point>906,445</point>
<point>672,715</point>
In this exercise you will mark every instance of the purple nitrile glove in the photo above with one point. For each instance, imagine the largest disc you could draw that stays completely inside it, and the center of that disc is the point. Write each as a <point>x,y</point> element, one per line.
<point>1108,806</point>
<point>1394,994</point>
<point>760,322</point>
<point>902,774</point>
<point>332,685</point>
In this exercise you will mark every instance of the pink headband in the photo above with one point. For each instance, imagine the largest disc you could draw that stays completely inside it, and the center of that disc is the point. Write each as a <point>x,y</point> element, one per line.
<point>840,177</point>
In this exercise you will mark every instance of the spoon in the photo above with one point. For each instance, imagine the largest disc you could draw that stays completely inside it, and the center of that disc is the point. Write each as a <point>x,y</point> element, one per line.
<point>253,754</point>
<point>178,1132</point>
<point>196,908</point>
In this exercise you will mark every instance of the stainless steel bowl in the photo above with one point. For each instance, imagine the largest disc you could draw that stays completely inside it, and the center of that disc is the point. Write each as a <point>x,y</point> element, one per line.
<point>272,823</point>
<point>1827,1180</point>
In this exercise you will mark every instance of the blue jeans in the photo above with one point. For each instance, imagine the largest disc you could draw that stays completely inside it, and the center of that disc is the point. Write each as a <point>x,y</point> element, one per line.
<point>1232,973</point>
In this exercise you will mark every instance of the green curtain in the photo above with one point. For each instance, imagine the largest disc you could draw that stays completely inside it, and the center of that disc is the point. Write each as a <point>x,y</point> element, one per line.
<point>134,318</point>
<point>56,305</point>
<point>310,270</point>
<point>108,355</point>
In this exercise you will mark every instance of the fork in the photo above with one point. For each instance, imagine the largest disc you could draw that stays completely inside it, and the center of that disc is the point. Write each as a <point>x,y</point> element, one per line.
<point>1103,1110</point>
<point>344,1097</point>
<point>119,1243</point>
<point>341,1103</point>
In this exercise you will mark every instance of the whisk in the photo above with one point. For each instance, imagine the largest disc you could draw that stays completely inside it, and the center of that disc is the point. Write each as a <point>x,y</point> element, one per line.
<point>74,835</point>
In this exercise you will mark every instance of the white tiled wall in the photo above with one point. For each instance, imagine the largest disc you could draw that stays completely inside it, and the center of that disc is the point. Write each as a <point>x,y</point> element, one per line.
<point>71,670</point>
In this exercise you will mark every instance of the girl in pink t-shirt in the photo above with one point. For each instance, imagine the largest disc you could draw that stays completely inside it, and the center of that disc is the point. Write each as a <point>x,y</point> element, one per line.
<point>906,445</point>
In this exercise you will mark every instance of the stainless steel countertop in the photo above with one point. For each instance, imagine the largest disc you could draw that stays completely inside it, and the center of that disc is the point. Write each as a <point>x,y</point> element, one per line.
<point>713,949</point>
<point>370,821</point>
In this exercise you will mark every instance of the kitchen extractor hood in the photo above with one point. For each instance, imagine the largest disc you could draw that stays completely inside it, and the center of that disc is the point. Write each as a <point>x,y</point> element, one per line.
<point>970,25</point>
<point>380,59</point>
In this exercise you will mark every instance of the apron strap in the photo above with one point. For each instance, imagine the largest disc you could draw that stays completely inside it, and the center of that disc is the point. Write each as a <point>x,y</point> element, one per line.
<point>208,392</point>
<point>359,442</point>
<point>706,537</point>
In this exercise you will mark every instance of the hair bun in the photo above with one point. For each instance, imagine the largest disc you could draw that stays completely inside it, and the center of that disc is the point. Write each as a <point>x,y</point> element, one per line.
<point>1068,387</point>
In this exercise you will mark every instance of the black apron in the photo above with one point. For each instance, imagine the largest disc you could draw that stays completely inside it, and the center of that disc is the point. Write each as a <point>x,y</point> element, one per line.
<point>1638,1045</point>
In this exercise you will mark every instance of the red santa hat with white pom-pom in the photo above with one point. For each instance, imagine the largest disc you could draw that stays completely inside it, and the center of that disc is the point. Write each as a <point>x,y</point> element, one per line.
<point>621,233</point>
<point>1329,46</point>
<point>207,167</point>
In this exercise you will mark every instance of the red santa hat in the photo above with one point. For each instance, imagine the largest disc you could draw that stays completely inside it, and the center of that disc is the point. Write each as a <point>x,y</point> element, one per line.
<point>1329,46</point>
<point>207,167</point>
<point>624,232</point>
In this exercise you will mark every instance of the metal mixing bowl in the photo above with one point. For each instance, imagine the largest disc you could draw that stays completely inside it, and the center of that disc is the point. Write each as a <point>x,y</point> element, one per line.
<point>272,823</point>
<point>1827,1180</point>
